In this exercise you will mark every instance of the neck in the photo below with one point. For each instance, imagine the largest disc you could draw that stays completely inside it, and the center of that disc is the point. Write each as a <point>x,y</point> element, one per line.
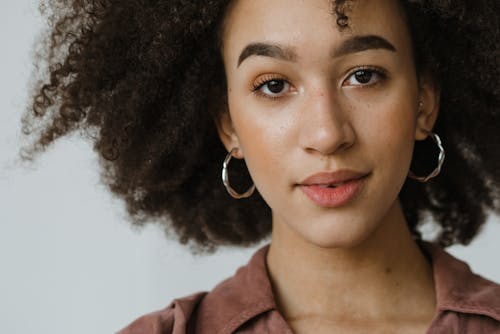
<point>384,277</point>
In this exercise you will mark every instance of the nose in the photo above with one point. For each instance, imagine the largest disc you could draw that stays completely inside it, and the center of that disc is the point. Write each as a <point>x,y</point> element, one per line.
<point>325,125</point>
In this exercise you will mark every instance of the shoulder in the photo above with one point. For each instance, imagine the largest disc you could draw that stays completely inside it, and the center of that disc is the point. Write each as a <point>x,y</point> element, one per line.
<point>463,297</point>
<point>476,304</point>
<point>230,304</point>
<point>173,319</point>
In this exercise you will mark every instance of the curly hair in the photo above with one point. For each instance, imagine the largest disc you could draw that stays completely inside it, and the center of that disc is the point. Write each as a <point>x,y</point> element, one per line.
<point>144,80</point>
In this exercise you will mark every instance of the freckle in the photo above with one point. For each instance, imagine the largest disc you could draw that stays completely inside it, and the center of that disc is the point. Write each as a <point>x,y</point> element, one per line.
<point>388,270</point>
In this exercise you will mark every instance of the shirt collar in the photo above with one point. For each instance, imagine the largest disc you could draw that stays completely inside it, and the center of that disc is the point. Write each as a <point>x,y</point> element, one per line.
<point>458,289</point>
<point>238,299</point>
<point>248,293</point>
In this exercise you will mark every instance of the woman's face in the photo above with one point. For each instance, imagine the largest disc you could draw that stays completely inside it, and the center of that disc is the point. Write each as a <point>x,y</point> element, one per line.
<point>307,100</point>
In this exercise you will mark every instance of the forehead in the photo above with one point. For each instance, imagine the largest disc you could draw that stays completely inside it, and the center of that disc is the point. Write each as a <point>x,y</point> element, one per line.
<point>310,24</point>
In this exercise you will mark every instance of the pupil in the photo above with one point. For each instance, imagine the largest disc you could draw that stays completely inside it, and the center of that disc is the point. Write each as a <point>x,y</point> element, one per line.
<point>363,76</point>
<point>275,86</point>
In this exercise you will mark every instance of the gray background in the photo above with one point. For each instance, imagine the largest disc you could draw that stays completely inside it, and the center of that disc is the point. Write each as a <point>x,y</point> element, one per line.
<point>69,261</point>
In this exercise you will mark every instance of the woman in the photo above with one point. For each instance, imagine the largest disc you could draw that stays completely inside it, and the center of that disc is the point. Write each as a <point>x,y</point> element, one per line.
<point>342,111</point>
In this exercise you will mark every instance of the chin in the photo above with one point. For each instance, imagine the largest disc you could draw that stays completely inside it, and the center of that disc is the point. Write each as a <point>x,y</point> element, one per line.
<point>338,237</point>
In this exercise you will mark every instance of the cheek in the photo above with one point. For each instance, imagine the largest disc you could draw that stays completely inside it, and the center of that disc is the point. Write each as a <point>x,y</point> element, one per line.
<point>266,140</point>
<point>390,119</point>
<point>391,137</point>
<point>384,124</point>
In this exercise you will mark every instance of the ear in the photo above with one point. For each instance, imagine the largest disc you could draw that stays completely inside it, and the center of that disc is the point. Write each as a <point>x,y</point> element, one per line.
<point>228,135</point>
<point>428,106</point>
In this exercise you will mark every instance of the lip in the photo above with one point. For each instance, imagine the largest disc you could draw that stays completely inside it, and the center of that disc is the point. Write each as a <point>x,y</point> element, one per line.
<point>319,187</point>
<point>331,178</point>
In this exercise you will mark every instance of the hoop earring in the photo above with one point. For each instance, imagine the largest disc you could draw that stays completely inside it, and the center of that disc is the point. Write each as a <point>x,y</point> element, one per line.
<point>436,171</point>
<point>225,179</point>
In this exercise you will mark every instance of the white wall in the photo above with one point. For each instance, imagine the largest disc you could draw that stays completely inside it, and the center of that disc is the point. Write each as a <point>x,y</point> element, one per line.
<point>69,262</point>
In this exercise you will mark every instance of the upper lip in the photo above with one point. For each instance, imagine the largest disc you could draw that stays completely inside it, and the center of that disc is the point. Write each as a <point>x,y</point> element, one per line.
<point>331,178</point>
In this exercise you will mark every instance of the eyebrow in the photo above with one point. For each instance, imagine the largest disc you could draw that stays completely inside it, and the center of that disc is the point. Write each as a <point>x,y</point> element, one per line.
<point>362,43</point>
<point>268,50</point>
<point>287,53</point>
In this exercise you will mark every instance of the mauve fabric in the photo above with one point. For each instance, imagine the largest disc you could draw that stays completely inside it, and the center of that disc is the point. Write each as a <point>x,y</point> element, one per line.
<point>244,303</point>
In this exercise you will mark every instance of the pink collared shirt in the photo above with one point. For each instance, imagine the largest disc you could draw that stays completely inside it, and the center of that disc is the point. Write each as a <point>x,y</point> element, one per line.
<point>244,303</point>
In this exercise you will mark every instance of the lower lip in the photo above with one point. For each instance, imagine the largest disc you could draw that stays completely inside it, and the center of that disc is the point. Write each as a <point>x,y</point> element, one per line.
<point>334,197</point>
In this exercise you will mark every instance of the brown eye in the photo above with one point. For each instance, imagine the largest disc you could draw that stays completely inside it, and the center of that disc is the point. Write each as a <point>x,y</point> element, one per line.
<point>364,77</point>
<point>275,86</point>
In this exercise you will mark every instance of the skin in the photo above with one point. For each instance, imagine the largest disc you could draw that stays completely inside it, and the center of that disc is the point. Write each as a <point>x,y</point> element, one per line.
<point>353,268</point>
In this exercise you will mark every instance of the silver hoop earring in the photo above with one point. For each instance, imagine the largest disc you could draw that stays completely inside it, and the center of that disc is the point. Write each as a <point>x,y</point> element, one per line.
<point>436,171</point>
<point>225,179</point>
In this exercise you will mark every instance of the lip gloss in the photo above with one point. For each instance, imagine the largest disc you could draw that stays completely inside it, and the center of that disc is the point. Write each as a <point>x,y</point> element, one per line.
<point>333,196</point>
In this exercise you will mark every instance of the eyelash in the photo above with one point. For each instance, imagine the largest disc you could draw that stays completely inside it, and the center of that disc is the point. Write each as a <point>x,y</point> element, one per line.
<point>258,85</point>
<point>372,69</point>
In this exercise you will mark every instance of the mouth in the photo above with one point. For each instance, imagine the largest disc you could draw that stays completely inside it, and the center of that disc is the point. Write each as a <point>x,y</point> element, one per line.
<point>331,185</point>
<point>333,189</point>
<point>333,179</point>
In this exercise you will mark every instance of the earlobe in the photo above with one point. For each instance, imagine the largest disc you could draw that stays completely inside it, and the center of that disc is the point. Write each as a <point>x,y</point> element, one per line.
<point>227,134</point>
<point>428,107</point>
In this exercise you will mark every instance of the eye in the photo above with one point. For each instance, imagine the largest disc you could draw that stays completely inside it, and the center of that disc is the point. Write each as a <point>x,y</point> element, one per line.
<point>364,77</point>
<point>271,87</point>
